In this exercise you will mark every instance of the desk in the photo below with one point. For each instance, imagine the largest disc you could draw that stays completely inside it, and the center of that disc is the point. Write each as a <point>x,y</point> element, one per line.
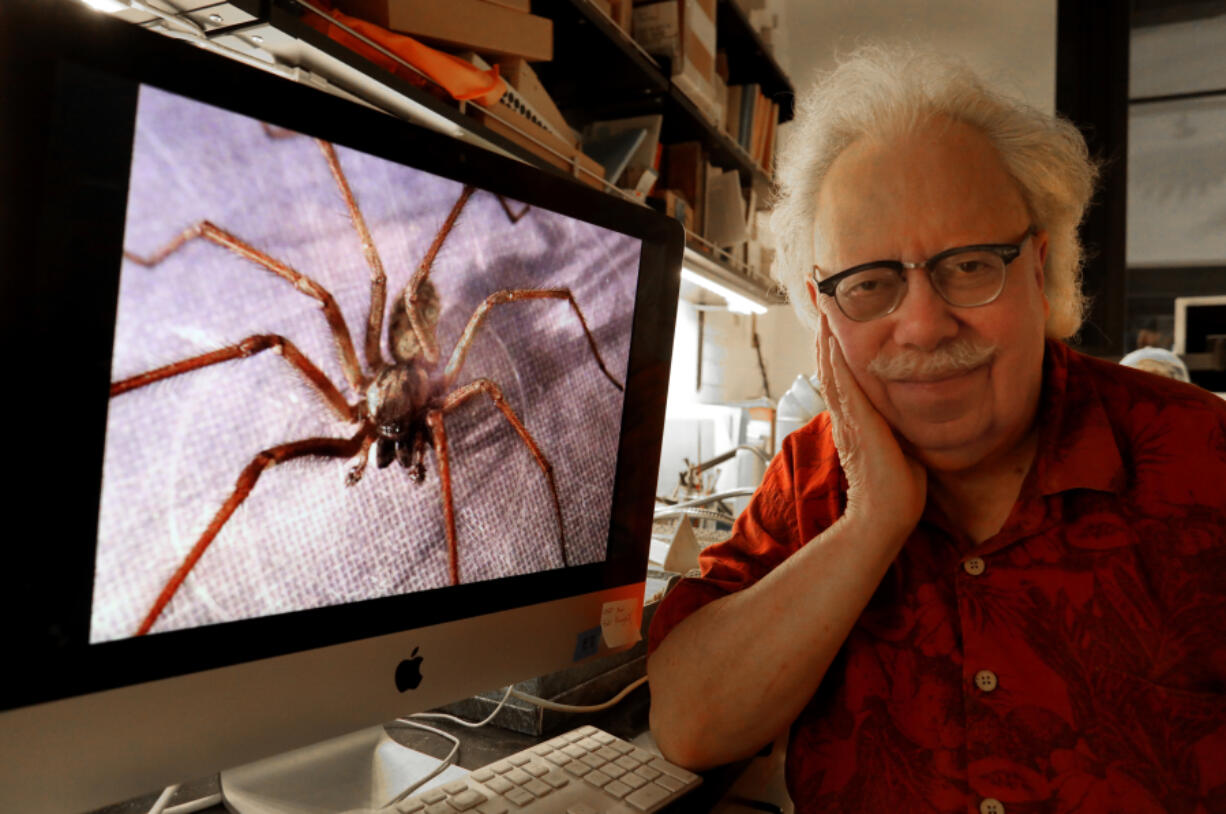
<point>480,747</point>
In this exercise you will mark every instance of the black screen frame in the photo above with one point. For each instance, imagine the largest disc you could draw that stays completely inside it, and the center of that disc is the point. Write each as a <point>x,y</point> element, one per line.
<point>68,84</point>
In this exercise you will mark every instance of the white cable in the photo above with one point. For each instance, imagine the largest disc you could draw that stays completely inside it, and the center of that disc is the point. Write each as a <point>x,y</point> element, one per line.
<point>547,704</point>
<point>195,805</point>
<point>159,806</point>
<point>442,716</point>
<point>437,770</point>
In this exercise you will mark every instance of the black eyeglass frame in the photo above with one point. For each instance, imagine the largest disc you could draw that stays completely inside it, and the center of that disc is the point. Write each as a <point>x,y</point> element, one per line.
<point>1007,252</point>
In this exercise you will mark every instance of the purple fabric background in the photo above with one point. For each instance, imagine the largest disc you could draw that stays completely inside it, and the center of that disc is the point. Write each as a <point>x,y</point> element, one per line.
<point>302,539</point>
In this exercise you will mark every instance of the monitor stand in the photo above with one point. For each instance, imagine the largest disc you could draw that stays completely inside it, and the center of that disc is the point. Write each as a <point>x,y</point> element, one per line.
<point>362,770</point>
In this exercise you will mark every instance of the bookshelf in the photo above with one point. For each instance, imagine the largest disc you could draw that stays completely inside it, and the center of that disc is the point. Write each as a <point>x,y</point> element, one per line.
<point>598,72</point>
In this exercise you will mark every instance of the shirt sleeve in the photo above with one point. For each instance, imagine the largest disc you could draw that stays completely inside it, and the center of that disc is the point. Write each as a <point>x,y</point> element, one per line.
<point>765,534</point>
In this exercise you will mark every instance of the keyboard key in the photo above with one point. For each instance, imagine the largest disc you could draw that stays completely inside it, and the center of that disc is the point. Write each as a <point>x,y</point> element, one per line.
<point>575,736</point>
<point>648,796</point>
<point>598,778</point>
<point>642,755</point>
<point>558,743</point>
<point>557,758</point>
<point>628,763</point>
<point>537,788</point>
<point>633,780</point>
<point>587,730</point>
<point>590,744</point>
<point>556,779</point>
<point>618,789</point>
<point>669,782</point>
<point>574,751</point>
<point>542,749</point>
<point>603,737</point>
<point>492,807</point>
<point>594,761</point>
<point>519,797</point>
<point>518,760</point>
<point>621,746</point>
<point>535,769</point>
<point>674,770</point>
<point>607,753</point>
<point>577,768</point>
<point>455,786</point>
<point>499,784</point>
<point>440,807</point>
<point>613,770</point>
<point>433,796</point>
<point>647,773</point>
<point>481,775</point>
<point>518,776</point>
<point>502,767</point>
<point>467,799</point>
<point>410,806</point>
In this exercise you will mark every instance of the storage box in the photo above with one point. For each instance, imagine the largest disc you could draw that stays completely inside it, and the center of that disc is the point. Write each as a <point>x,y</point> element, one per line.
<point>484,27</point>
<point>683,31</point>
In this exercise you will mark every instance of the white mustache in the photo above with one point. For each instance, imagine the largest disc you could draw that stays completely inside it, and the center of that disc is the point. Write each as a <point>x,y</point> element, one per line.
<point>954,357</point>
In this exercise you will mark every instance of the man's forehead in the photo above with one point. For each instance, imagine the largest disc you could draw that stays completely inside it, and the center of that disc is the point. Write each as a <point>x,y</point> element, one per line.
<point>924,190</point>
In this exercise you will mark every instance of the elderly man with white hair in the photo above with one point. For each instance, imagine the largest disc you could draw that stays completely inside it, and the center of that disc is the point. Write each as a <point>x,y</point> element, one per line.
<point>992,577</point>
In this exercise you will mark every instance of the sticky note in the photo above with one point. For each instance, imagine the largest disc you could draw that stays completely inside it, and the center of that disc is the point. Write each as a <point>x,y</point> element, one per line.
<point>620,621</point>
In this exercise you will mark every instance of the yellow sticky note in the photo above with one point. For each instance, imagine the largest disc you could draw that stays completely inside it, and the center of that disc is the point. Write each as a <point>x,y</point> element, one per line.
<point>620,622</point>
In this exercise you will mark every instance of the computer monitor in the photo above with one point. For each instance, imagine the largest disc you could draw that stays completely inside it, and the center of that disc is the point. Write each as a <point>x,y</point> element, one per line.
<point>173,605</point>
<point>1200,332</point>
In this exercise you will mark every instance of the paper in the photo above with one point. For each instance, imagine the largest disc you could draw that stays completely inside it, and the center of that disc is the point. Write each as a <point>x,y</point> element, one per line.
<point>620,622</point>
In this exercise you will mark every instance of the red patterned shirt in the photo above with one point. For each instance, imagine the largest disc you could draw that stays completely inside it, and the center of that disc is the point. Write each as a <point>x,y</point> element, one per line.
<point>1074,662</point>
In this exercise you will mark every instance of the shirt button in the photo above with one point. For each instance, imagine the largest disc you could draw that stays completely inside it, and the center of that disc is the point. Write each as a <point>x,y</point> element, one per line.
<point>974,566</point>
<point>990,805</point>
<point>986,681</point>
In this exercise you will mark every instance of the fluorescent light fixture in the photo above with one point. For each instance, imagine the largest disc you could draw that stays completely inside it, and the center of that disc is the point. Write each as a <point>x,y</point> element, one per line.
<point>107,6</point>
<point>737,303</point>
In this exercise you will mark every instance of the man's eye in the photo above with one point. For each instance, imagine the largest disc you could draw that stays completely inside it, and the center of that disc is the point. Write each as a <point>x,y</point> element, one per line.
<point>971,266</point>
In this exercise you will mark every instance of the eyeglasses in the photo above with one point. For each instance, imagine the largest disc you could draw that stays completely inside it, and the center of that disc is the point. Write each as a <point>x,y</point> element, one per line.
<point>964,276</point>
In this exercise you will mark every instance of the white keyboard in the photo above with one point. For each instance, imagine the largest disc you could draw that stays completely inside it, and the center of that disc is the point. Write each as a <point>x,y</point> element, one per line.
<point>584,771</point>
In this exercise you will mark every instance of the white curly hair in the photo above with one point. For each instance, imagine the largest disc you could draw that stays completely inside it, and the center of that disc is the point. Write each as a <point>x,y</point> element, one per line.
<point>887,91</point>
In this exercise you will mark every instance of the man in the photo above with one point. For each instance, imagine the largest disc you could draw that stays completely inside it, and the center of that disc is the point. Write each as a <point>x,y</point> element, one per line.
<point>993,576</point>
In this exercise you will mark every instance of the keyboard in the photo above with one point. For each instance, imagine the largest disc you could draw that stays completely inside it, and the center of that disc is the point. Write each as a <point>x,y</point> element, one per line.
<point>584,771</point>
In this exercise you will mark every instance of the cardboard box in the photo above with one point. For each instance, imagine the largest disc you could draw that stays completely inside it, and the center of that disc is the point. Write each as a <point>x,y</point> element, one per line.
<point>657,28</point>
<point>477,25</point>
<point>520,75</point>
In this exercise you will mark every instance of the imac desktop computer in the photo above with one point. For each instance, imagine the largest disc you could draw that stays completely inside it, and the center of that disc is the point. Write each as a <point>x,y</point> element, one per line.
<point>315,417</point>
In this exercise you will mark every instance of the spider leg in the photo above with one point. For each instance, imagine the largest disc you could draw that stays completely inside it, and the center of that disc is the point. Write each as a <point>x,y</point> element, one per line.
<point>454,400</point>
<point>424,333</point>
<point>378,279</point>
<point>512,216</point>
<point>434,420</point>
<point>336,322</point>
<point>517,295</point>
<point>322,447</point>
<point>247,348</point>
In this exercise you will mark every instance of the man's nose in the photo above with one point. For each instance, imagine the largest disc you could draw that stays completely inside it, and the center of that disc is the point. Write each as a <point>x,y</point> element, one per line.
<point>923,320</point>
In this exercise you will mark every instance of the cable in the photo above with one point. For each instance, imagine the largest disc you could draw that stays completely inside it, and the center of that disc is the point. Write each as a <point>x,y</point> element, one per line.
<point>195,805</point>
<point>159,806</point>
<point>437,770</point>
<point>547,704</point>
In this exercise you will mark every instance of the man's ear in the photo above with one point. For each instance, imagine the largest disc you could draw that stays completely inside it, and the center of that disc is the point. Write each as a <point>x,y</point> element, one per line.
<point>1040,266</point>
<point>812,289</point>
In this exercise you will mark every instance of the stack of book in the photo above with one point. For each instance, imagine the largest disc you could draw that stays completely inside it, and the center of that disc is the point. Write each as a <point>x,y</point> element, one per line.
<point>751,120</point>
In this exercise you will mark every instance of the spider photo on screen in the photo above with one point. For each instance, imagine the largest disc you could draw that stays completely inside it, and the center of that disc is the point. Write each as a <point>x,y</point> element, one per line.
<point>495,389</point>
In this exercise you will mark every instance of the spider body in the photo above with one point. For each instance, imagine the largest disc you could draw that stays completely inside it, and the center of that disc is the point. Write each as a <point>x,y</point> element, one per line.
<point>401,403</point>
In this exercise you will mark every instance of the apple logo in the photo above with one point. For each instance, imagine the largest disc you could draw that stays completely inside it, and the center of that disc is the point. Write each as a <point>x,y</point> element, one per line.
<point>408,672</point>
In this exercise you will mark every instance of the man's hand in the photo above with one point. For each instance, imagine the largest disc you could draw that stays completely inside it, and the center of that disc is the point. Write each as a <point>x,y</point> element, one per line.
<point>886,488</point>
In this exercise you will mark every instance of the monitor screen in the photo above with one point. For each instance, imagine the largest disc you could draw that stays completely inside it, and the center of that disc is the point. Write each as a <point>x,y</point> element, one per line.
<point>314,391</point>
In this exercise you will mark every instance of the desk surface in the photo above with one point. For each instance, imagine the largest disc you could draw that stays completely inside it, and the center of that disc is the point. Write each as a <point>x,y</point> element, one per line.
<point>480,747</point>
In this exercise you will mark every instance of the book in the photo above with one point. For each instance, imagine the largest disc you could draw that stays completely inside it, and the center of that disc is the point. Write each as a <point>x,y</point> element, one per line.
<point>478,25</point>
<point>732,111</point>
<point>749,100</point>
<point>645,155</point>
<point>685,173</point>
<point>520,130</point>
<point>615,150</point>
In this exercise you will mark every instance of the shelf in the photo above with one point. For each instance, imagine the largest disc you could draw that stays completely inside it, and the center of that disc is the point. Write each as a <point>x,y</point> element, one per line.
<point>754,61</point>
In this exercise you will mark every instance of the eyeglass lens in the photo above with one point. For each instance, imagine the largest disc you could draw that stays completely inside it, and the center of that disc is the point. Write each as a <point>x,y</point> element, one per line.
<point>964,279</point>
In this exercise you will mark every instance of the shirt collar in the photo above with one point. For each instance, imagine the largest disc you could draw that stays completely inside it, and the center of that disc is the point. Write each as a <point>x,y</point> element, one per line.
<point>1076,448</point>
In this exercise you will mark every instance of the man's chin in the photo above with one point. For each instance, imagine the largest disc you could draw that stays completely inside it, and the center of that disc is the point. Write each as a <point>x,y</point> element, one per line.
<point>945,446</point>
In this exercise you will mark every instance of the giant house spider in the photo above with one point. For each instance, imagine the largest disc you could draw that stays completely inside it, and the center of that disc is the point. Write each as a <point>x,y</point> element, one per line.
<point>306,535</point>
